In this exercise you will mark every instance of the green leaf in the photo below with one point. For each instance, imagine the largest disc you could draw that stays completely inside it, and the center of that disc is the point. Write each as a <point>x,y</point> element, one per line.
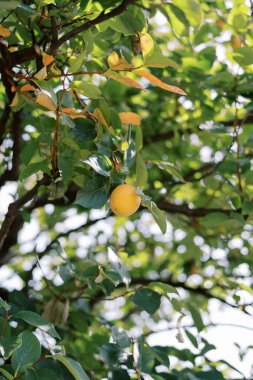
<point>118,266</point>
<point>120,336</point>
<point>9,5</point>
<point>157,59</point>
<point>169,168</point>
<point>6,374</point>
<point>9,344</point>
<point>192,11</point>
<point>147,299</point>
<point>160,353</point>
<point>27,353</point>
<point>100,163</point>
<point>129,22</point>
<point>38,374</point>
<point>4,304</point>
<point>177,305</point>
<point>87,89</point>
<point>141,171</point>
<point>214,219</point>
<point>163,288</point>
<point>146,360</point>
<point>211,375</point>
<point>177,20</point>
<point>4,327</point>
<point>74,368</point>
<point>94,195</point>
<point>28,152</point>
<point>196,316</point>
<point>88,40</point>
<point>159,216</point>
<point>111,354</point>
<point>221,80</point>
<point>138,138</point>
<point>36,320</point>
<point>34,168</point>
<point>77,62</point>
<point>121,374</point>
<point>85,130</point>
<point>244,56</point>
<point>192,338</point>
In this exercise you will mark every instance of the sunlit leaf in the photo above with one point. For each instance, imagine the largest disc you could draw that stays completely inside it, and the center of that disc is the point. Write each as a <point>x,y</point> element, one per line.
<point>45,101</point>
<point>157,82</point>
<point>47,59</point>
<point>41,74</point>
<point>130,118</point>
<point>123,79</point>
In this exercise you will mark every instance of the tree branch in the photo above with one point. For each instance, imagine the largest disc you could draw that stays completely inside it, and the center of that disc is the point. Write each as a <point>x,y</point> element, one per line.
<point>14,208</point>
<point>192,212</point>
<point>12,174</point>
<point>102,17</point>
<point>3,121</point>
<point>197,290</point>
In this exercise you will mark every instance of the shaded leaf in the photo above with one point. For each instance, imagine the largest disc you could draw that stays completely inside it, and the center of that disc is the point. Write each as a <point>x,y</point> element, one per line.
<point>9,344</point>
<point>36,320</point>
<point>120,336</point>
<point>15,100</point>
<point>34,168</point>
<point>74,368</point>
<point>27,353</point>
<point>94,194</point>
<point>147,299</point>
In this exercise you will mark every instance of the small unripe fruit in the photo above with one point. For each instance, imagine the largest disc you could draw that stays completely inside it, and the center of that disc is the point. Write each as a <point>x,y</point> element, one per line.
<point>124,201</point>
<point>220,23</point>
<point>236,42</point>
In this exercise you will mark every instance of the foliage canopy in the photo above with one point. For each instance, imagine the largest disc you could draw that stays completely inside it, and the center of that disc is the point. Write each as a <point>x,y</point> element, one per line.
<point>94,94</point>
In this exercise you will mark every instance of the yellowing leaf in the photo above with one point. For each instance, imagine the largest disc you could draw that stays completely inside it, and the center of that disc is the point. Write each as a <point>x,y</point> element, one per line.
<point>15,100</point>
<point>100,117</point>
<point>74,114</point>
<point>117,63</point>
<point>122,64</point>
<point>27,87</point>
<point>4,32</point>
<point>12,49</point>
<point>113,59</point>
<point>157,82</point>
<point>47,59</point>
<point>130,118</point>
<point>124,80</point>
<point>55,69</point>
<point>45,101</point>
<point>42,74</point>
<point>124,146</point>
<point>147,44</point>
